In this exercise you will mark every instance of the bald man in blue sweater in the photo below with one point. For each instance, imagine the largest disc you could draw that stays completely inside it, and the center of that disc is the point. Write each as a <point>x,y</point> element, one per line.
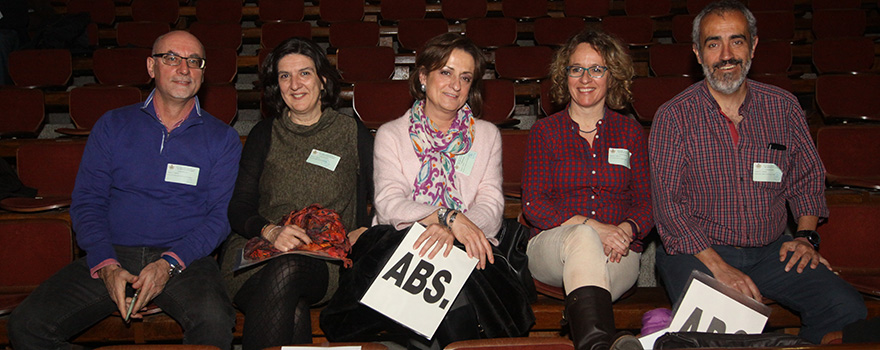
<point>149,206</point>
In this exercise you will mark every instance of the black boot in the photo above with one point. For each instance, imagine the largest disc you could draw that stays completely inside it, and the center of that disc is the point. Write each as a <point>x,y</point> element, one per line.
<point>590,317</point>
<point>626,341</point>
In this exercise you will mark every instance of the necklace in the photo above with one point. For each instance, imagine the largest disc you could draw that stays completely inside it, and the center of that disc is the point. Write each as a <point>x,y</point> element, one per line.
<point>588,131</point>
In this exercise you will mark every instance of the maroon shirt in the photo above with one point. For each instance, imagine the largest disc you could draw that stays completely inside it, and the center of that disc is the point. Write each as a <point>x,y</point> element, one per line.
<point>702,181</point>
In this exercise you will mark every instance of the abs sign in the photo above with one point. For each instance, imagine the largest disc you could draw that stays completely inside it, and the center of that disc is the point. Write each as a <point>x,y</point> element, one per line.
<point>416,291</point>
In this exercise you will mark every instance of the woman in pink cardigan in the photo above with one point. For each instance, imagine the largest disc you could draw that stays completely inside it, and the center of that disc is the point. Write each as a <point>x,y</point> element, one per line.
<point>438,166</point>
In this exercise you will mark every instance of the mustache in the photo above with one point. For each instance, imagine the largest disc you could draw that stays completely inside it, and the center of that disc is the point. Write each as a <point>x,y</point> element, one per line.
<point>727,62</point>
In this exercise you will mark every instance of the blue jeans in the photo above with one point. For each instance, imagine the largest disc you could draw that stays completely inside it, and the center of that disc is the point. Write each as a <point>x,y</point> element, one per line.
<point>825,302</point>
<point>71,301</point>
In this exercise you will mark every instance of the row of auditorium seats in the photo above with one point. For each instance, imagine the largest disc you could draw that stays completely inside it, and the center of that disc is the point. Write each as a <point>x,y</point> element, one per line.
<point>839,97</point>
<point>773,62</point>
<point>849,153</point>
<point>169,11</point>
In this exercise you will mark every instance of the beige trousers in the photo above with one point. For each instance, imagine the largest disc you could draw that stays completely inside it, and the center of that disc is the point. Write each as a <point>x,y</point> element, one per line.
<point>572,256</point>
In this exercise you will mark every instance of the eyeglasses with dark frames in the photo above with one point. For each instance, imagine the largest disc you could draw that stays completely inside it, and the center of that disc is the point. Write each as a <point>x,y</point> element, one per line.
<point>173,59</point>
<point>595,72</point>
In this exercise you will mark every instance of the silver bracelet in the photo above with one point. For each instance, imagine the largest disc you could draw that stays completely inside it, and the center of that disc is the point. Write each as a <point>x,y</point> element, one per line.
<point>452,216</point>
<point>441,216</point>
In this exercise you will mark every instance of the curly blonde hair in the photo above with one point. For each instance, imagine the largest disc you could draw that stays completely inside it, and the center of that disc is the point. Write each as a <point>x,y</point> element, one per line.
<point>616,58</point>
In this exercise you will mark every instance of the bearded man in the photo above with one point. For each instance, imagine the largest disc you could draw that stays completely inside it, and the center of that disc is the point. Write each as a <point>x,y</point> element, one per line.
<point>728,156</point>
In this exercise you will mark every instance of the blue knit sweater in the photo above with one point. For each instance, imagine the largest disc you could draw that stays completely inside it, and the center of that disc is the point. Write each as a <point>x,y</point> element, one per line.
<point>122,197</point>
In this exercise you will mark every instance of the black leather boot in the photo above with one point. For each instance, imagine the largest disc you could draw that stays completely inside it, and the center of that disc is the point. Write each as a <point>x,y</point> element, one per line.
<point>590,317</point>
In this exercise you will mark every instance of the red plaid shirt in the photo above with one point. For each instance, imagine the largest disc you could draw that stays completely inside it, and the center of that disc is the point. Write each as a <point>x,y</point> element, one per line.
<point>703,189</point>
<point>563,176</point>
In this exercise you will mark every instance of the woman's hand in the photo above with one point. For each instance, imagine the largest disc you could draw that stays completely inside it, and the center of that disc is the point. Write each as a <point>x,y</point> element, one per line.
<point>435,236</point>
<point>286,238</point>
<point>463,230</point>
<point>615,239</point>
<point>475,242</point>
<point>353,235</point>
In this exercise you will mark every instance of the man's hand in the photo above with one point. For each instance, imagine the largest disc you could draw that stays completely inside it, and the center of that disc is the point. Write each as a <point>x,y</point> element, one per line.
<point>115,278</point>
<point>729,275</point>
<point>802,253</point>
<point>150,283</point>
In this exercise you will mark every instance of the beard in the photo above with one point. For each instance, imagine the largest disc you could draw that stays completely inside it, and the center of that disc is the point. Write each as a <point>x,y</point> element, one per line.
<point>727,82</point>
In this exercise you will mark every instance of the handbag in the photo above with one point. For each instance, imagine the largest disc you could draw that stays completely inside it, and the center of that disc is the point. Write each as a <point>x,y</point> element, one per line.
<point>513,240</point>
<point>688,340</point>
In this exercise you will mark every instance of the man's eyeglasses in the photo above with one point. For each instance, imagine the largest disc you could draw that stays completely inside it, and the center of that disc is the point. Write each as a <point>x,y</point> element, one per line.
<point>174,60</point>
<point>596,72</point>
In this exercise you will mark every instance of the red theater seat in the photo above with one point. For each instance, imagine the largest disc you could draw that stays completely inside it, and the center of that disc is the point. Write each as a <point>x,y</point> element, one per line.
<point>50,168</point>
<point>377,102</point>
<point>851,154</point>
<point>89,103</point>
<point>31,250</point>
<point>56,67</point>
<point>23,112</point>
<point>281,10</point>
<point>513,154</point>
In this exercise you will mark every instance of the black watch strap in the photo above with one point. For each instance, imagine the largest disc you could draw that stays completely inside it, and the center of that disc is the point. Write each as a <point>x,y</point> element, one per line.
<point>811,235</point>
<point>175,268</point>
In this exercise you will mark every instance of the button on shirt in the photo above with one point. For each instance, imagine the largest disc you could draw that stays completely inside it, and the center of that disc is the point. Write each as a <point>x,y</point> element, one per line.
<point>564,176</point>
<point>702,183</point>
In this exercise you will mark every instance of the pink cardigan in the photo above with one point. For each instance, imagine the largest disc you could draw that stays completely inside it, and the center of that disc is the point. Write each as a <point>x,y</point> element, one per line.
<point>396,165</point>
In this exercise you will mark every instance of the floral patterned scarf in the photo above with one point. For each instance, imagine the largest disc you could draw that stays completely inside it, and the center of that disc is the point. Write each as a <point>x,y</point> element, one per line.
<point>435,183</point>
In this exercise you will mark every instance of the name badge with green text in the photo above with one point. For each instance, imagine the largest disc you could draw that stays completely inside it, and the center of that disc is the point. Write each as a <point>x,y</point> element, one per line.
<point>323,159</point>
<point>182,174</point>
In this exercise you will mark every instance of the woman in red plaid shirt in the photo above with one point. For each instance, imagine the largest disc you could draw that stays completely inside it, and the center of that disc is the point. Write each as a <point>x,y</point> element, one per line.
<point>586,188</point>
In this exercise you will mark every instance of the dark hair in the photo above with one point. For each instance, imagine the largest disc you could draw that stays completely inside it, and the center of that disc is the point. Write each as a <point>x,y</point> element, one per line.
<point>435,54</point>
<point>618,61</point>
<point>720,8</point>
<point>330,78</point>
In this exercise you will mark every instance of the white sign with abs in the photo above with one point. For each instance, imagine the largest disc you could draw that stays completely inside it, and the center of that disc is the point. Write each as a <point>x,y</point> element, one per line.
<point>416,291</point>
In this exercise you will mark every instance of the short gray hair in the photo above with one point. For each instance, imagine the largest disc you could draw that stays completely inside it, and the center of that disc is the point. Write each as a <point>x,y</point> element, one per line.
<point>721,7</point>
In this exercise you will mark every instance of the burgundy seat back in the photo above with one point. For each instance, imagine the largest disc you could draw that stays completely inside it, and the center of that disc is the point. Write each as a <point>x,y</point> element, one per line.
<point>89,103</point>
<point>513,155</point>
<point>50,167</point>
<point>56,67</point>
<point>220,100</point>
<point>23,111</point>
<point>522,63</point>
<point>281,10</point>
<point>463,9</point>
<point>121,66</point>
<point>32,250</point>
<point>365,63</point>
<point>377,102</point>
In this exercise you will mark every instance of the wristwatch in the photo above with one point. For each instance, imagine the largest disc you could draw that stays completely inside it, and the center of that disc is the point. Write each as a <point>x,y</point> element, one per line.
<point>811,236</point>
<point>175,268</point>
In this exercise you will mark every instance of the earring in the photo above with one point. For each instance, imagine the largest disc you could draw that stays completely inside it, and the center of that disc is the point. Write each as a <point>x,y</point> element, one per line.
<point>423,87</point>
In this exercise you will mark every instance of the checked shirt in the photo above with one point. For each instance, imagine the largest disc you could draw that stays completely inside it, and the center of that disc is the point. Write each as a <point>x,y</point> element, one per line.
<point>564,176</point>
<point>703,187</point>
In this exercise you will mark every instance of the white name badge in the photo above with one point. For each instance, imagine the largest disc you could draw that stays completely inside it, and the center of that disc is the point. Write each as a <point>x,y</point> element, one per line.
<point>323,159</point>
<point>619,156</point>
<point>182,174</point>
<point>766,172</point>
<point>417,291</point>
<point>464,163</point>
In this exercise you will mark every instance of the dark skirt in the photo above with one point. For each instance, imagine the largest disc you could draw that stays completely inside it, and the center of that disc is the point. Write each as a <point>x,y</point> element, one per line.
<point>494,303</point>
